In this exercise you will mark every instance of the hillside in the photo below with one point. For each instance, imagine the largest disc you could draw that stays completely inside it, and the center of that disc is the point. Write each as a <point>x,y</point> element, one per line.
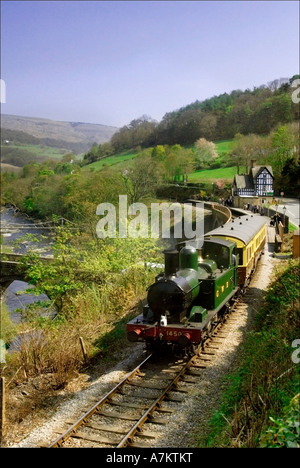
<point>217,118</point>
<point>73,136</point>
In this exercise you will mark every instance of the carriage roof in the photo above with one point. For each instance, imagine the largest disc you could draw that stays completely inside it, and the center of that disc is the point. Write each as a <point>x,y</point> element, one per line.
<point>243,228</point>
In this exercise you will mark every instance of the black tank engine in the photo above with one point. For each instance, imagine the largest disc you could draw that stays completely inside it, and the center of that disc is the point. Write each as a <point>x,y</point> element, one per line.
<point>180,301</point>
<point>199,284</point>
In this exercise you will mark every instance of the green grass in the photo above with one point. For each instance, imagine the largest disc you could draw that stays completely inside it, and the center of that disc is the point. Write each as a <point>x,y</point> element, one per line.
<point>224,173</point>
<point>224,146</point>
<point>112,160</point>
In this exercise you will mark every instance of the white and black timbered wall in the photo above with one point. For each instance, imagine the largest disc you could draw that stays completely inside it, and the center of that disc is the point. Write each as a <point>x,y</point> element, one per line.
<point>263,183</point>
<point>244,191</point>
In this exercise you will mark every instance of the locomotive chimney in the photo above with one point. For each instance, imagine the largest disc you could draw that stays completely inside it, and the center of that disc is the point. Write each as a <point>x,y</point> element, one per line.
<point>171,261</point>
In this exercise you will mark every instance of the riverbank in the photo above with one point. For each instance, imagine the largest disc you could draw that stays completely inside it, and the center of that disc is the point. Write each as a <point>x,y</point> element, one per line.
<point>20,233</point>
<point>94,300</point>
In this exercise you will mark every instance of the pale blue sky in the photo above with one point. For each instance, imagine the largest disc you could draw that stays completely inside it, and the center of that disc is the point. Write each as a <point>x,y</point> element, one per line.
<point>109,62</point>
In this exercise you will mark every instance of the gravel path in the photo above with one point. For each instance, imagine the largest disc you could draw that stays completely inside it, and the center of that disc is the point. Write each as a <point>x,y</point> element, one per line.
<point>201,400</point>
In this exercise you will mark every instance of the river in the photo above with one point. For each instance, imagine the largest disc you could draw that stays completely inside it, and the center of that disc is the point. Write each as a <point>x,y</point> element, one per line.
<point>14,226</point>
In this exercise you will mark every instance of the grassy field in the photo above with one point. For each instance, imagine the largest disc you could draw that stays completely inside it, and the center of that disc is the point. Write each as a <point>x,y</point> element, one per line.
<point>225,173</point>
<point>10,168</point>
<point>112,160</point>
<point>210,175</point>
<point>39,150</point>
<point>223,147</point>
<point>125,160</point>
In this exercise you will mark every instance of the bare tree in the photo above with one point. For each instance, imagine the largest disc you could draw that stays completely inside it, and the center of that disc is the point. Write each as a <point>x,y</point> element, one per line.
<point>249,147</point>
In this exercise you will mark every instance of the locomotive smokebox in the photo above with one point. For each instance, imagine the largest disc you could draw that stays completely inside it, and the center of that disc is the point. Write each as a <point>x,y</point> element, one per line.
<point>171,262</point>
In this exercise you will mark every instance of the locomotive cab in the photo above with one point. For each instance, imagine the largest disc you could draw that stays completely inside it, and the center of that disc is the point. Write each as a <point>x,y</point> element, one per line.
<point>220,258</point>
<point>222,253</point>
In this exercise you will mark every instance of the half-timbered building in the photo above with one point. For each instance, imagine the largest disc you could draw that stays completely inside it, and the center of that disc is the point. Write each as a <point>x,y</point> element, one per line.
<point>259,182</point>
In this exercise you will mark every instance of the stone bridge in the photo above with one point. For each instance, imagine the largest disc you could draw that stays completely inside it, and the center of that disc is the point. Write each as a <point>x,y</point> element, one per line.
<point>11,269</point>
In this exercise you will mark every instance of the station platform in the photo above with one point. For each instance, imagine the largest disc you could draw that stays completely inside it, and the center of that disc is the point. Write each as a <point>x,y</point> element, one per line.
<point>271,234</point>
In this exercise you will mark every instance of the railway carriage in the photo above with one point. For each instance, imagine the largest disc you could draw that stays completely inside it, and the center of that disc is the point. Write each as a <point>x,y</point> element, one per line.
<point>199,285</point>
<point>249,232</point>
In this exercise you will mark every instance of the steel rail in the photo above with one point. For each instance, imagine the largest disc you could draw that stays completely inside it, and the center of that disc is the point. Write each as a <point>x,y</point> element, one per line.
<point>148,413</point>
<point>136,430</point>
<point>146,417</point>
<point>81,421</point>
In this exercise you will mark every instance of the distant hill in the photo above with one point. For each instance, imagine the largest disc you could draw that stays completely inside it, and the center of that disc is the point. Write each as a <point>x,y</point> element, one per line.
<point>77,137</point>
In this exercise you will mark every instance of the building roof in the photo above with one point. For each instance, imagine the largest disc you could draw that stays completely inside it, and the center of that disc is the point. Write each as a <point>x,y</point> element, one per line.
<point>246,181</point>
<point>243,181</point>
<point>256,170</point>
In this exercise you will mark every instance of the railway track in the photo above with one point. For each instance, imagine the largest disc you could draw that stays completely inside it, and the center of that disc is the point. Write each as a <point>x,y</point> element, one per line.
<point>134,413</point>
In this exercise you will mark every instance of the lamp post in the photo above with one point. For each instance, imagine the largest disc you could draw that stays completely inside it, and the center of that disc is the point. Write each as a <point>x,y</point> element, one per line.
<point>276,213</point>
<point>285,228</point>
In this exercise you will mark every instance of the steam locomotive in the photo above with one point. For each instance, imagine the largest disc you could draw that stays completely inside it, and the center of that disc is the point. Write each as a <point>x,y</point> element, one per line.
<point>199,285</point>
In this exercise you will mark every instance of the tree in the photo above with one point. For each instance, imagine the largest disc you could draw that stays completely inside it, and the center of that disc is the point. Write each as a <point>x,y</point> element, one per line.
<point>98,152</point>
<point>142,179</point>
<point>173,162</point>
<point>249,147</point>
<point>277,83</point>
<point>285,142</point>
<point>137,133</point>
<point>208,126</point>
<point>205,152</point>
<point>272,111</point>
<point>179,162</point>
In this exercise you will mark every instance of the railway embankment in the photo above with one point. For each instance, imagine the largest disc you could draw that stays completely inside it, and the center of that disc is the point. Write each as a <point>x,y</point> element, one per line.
<point>258,402</point>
